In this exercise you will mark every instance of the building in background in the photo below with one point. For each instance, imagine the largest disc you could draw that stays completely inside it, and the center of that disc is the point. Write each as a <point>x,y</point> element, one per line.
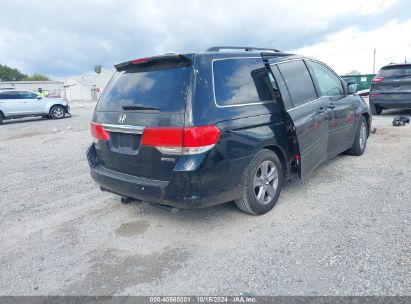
<point>103,78</point>
<point>79,88</point>
<point>86,87</point>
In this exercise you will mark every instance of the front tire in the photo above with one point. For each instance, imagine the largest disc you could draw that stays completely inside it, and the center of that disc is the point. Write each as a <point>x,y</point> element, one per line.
<point>1,118</point>
<point>375,110</point>
<point>57,112</point>
<point>361,136</point>
<point>261,184</point>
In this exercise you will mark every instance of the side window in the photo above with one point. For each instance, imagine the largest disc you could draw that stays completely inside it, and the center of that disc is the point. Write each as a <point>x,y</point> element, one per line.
<point>275,87</point>
<point>10,95</point>
<point>278,85</point>
<point>241,81</point>
<point>330,84</point>
<point>298,81</point>
<point>27,95</point>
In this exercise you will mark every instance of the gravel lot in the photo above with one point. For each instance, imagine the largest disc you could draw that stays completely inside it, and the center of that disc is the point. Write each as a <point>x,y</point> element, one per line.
<point>344,231</point>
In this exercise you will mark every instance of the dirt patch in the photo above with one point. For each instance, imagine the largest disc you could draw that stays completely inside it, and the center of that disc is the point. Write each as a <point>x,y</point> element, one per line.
<point>24,135</point>
<point>133,228</point>
<point>111,272</point>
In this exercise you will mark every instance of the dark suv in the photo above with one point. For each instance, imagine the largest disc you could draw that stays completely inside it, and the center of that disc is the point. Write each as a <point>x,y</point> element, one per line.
<point>201,129</point>
<point>391,88</point>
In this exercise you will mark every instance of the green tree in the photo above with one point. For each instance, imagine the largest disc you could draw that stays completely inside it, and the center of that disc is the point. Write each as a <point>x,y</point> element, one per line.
<point>354,72</point>
<point>98,68</point>
<point>37,77</point>
<point>10,74</point>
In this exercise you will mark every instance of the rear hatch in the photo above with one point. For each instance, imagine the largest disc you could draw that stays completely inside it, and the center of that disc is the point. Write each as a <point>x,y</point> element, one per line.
<point>143,94</point>
<point>393,82</point>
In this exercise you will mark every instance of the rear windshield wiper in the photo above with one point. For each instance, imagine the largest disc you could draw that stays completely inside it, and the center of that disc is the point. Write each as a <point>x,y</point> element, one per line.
<point>139,108</point>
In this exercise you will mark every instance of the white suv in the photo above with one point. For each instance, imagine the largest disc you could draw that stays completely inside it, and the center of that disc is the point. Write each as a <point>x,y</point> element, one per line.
<point>17,104</point>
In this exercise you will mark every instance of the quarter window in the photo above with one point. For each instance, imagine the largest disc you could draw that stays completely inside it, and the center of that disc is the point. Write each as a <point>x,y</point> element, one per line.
<point>330,84</point>
<point>298,81</point>
<point>241,81</point>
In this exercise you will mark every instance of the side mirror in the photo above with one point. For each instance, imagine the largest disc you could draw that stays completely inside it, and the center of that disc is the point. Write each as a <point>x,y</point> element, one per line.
<point>39,97</point>
<point>352,88</point>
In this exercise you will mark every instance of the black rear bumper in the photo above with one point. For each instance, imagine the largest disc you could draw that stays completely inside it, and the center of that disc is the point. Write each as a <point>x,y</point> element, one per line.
<point>185,189</point>
<point>391,103</point>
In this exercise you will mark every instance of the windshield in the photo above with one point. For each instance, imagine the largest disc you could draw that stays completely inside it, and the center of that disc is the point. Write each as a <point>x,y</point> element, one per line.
<point>159,90</point>
<point>395,71</point>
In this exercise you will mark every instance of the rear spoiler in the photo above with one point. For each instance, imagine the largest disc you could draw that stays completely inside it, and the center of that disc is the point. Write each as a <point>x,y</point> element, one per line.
<point>175,60</point>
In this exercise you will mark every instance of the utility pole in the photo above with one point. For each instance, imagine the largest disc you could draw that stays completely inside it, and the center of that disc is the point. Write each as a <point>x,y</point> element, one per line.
<point>373,65</point>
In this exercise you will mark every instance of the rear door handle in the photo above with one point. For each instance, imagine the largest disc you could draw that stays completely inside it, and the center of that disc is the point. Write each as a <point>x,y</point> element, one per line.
<point>331,106</point>
<point>322,110</point>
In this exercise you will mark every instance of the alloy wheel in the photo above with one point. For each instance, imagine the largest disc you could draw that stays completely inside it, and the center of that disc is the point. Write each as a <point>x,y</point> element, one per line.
<point>265,182</point>
<point>58,112</point>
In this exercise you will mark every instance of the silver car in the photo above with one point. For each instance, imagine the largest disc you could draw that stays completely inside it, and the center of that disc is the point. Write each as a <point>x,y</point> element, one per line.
<point>17,104</point>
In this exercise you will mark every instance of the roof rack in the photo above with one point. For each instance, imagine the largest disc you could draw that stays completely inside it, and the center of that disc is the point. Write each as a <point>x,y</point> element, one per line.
<point>245,48</point>
<point>7,88</point>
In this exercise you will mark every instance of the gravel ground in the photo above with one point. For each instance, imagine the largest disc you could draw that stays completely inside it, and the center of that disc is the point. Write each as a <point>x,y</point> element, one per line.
<point>343,231</point>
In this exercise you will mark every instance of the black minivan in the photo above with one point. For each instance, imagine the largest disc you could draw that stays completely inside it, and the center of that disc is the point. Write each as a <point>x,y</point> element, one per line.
<point>199,129</point>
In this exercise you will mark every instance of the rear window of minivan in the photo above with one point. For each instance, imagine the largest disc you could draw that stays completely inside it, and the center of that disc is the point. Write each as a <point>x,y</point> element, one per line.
<point>161,89</point>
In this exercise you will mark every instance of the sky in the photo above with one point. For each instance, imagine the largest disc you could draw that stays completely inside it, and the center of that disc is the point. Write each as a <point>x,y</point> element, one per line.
<point>67,38</point>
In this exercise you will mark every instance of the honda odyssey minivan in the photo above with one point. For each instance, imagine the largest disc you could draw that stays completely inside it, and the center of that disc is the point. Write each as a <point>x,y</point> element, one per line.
<point>199,129</point>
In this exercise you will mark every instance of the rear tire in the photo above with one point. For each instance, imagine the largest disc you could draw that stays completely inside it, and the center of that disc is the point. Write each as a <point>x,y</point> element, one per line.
<point>57,112</point>
<point>375,110</point>
<point>361,136</point>
<point>261,184</point>
<point>1,118</point>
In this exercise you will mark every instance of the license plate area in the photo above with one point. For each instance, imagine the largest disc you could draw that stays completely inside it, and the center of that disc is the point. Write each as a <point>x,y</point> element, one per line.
<point>397,96</point>
<point>125,143</point>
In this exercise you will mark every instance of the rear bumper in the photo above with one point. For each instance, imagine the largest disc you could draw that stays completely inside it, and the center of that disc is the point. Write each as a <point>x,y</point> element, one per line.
<point>391,103</point>
<point>185,189</point>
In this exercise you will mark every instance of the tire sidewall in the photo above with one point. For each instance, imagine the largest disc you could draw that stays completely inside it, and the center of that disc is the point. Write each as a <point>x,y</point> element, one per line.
<point>54,107</point>
<point>357,137</point>
<point>255,206</point>
<point>375,110</point>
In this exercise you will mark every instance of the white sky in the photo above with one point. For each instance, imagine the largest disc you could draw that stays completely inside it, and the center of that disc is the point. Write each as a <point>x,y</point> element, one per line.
<point>351,49</point>
<point>63,38</point>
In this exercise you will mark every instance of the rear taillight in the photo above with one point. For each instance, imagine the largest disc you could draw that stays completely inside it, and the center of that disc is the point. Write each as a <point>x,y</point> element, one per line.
<point>98,132</point>
<point>181,141</point>
<point>374,95</point>
<point>377,79</point>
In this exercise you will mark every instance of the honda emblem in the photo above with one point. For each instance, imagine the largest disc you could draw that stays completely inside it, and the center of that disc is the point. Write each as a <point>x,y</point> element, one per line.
<point>122,118</point>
